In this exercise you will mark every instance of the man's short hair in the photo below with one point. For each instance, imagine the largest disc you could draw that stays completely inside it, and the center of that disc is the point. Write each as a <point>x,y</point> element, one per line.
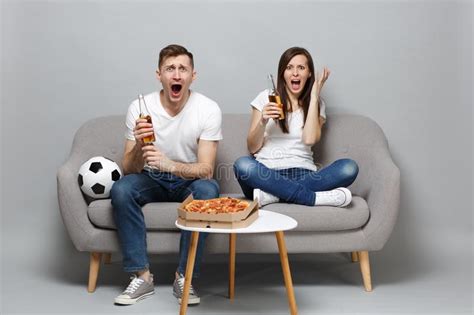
<point>174,51</point>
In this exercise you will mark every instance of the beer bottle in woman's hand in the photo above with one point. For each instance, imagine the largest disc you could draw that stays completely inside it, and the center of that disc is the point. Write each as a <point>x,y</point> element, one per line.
<point>274,97</point>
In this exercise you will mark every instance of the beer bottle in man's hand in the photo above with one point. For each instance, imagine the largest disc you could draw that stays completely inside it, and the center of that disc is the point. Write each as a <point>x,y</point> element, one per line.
<point>145,114</point>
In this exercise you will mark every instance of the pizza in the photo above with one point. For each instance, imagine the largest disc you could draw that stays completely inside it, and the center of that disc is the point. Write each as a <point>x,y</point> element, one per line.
<point>217,205</point>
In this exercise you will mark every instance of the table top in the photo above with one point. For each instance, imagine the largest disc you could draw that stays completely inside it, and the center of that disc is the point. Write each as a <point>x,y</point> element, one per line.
<point>267,221</point>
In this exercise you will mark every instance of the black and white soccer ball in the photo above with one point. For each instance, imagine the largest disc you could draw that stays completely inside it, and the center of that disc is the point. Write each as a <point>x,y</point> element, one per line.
<point>97,175</point>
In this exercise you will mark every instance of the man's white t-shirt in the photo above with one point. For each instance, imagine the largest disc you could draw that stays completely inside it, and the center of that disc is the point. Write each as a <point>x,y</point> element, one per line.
<point>285,150</point>
<point>177,137</point>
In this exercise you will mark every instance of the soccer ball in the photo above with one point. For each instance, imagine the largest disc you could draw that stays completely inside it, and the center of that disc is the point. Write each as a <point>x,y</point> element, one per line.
<point>97,175</point>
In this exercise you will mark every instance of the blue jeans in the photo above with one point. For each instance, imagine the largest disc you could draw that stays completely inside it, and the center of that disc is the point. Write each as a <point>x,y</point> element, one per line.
<point>132,192</point>
<point>293,185</point>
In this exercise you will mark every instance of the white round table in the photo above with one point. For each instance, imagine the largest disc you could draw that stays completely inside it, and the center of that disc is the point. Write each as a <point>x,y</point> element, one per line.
<point>266,222</point>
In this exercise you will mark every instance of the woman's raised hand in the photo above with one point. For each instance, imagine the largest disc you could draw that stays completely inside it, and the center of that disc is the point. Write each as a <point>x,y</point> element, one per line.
<point>319,83</point>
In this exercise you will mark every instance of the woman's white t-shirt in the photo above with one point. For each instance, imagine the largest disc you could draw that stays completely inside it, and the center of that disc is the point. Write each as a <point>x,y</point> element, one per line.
<point>285,150</point>
<point>177,137</point>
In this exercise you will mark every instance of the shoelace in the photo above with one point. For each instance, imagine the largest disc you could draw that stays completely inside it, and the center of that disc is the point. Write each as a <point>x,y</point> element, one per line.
<point>181,286</point>
<point>133,286</point>
<point>336,193</point>
<point>330,193</point>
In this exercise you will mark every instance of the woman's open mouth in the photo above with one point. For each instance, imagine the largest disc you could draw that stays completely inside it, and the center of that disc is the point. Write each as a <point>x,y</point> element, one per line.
<point>295,85</point>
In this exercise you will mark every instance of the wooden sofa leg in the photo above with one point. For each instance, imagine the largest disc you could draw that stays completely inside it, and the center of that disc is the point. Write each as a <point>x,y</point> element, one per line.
<point>93,271</point>
<point>365,269</point>
<point>354,256</point>
<point>107,258</point>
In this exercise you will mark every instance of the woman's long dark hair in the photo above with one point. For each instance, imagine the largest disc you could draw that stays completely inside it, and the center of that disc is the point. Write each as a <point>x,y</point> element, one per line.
<point>305,96</point>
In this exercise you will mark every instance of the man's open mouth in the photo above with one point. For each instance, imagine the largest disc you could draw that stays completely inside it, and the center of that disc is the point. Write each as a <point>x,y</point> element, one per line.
<point>175,89</point>
<point>295,84</point>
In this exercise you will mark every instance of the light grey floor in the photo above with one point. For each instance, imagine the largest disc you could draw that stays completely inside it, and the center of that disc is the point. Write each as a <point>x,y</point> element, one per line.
<point>324,284</point>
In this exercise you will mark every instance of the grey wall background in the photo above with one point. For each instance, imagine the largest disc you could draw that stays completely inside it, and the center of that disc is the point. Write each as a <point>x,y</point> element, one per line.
<point>405,64</point>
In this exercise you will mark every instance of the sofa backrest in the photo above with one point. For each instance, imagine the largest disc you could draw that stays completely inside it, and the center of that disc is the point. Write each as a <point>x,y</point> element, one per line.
<point>344,135</point>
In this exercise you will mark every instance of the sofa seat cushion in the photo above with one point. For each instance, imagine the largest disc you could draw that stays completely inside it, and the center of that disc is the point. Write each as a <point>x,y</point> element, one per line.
<point>158,215</point>
<point>162,215</point>
<point>325,218</point>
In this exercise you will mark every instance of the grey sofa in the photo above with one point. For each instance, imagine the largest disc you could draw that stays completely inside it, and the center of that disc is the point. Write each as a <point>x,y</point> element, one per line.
<point>362,227</point>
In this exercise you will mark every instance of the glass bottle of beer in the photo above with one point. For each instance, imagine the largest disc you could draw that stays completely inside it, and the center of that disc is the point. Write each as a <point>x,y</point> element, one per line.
<point>145,114</point>
<point>274,97</point>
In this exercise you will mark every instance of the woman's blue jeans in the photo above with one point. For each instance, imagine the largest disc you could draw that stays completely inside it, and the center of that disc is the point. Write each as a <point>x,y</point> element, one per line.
<point>132,192</point>
<point>293,185</point>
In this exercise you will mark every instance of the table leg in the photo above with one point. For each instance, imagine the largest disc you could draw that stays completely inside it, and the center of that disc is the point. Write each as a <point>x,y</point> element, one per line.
<point>189,272</point>
<point>232,238</point>
<point>286,272</point>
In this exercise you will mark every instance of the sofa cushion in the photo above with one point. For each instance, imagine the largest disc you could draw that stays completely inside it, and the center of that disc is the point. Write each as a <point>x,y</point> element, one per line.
<point>325,218</point>
<point>162,215</point>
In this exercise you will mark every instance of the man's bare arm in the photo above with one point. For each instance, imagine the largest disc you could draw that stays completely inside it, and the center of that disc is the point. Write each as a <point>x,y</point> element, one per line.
<point>203,168</point>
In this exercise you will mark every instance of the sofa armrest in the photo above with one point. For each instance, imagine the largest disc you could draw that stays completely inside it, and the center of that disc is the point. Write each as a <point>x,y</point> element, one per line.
<point>73,206</point>
<point>382,193</point>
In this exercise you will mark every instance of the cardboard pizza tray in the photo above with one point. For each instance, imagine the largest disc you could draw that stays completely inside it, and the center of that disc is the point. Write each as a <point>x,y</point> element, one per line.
<point>236,220</point>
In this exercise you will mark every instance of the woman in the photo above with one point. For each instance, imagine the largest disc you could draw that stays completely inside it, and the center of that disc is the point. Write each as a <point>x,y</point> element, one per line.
<point>281,166</point>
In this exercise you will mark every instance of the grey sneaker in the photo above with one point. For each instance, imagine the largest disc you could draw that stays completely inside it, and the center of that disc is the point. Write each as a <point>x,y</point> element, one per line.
<point>178,289</point>
<point>264,198</point>
<point>137,290</point>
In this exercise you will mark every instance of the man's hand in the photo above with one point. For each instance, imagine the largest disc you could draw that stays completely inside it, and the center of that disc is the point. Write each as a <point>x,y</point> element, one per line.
<point>319,83</point>
<point>142,130</point>
<point>156,159</point>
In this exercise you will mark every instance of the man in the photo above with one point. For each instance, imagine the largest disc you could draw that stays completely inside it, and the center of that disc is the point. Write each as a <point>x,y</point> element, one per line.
<point>187,128</point>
